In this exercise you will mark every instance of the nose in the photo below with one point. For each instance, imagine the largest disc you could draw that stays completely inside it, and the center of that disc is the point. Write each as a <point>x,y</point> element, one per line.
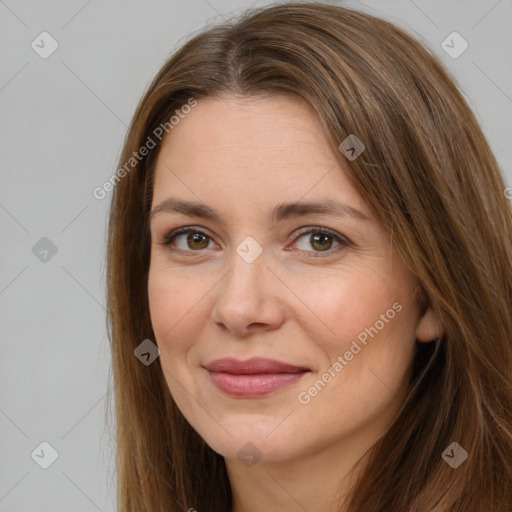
<point>248,298</point>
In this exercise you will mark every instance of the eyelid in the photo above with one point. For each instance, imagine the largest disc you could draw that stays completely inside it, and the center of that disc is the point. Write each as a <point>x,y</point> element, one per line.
<point>342,240</point>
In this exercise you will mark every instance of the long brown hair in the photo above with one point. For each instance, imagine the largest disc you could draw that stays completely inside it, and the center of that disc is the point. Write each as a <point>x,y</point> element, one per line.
<point>434,183</point>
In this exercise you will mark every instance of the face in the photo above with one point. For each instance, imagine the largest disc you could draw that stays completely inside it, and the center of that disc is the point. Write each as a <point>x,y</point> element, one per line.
<point>323,295</point>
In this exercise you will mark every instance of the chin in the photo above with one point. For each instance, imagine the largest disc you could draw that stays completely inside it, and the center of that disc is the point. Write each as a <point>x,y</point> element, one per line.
<point>250,443</point>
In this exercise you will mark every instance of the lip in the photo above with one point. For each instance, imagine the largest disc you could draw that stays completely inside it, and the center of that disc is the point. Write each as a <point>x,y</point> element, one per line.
<point>253,377</point>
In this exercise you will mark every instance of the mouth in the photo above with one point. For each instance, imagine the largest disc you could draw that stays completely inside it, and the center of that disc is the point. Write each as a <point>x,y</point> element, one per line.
<point>253,377</point>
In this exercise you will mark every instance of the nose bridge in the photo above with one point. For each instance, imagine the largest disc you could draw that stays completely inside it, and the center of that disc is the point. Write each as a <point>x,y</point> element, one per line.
<point>248,266</point>
<point>245,295</point>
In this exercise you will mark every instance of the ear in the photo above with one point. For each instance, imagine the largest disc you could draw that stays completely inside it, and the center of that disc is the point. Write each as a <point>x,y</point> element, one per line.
<point>429,326</point>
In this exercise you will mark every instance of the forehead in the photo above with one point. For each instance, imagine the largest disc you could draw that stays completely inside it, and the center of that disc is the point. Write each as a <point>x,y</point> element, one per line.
<point>251,149</point>
<point>236,125</point>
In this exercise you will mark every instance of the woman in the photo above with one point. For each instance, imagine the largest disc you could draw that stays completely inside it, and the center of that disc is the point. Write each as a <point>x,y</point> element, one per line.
<point>313,231</point>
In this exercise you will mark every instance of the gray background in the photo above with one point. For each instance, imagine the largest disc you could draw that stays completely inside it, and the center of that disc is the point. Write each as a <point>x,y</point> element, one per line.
<point>62,122</point>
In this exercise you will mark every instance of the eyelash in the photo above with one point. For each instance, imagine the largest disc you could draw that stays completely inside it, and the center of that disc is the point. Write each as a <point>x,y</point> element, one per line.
<point>343,242</point>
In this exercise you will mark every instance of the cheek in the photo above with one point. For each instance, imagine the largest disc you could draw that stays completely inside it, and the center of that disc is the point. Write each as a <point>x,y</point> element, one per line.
<point>172,304</point>
<point>368,318</point>
<point>163,305</point>
<point>375,337</point>
<point>344,305</point>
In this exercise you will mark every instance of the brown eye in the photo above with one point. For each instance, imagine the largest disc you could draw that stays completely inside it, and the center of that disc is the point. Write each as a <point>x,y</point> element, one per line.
<point>321,240</point>
<point>195,240</point>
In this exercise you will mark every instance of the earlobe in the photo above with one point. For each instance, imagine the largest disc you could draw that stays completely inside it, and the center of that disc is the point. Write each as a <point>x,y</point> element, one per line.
<point>429,327</point>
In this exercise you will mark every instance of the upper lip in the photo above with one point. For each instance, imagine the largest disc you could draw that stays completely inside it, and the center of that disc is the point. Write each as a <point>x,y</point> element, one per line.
<point>252,366</point>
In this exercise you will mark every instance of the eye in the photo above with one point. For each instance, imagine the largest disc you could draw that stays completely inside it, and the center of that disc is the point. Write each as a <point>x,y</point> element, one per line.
<point>321,239</point>
<point>196,239</point>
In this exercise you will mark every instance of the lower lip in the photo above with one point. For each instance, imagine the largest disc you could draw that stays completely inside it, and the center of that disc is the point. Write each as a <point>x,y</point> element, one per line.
<point>246,385</point>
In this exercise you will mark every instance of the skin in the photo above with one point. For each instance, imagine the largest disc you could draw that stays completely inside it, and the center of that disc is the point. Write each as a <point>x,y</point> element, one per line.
<point>242,156</point>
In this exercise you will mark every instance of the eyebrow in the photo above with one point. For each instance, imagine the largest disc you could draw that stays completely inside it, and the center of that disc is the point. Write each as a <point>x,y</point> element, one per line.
<point>278,213</point>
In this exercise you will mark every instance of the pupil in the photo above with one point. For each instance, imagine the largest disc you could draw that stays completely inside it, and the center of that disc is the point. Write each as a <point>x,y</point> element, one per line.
<point>195,238</point>
<point>323,238</point>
